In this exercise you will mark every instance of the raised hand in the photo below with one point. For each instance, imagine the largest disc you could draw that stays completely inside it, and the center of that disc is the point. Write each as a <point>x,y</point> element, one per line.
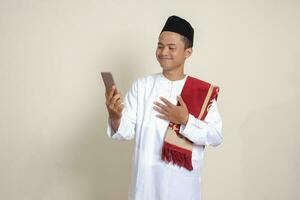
<point>114,106</point>
<point>173,113</point>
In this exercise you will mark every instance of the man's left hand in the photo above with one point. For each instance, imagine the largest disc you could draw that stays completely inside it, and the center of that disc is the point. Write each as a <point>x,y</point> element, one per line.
<point>173,113</point>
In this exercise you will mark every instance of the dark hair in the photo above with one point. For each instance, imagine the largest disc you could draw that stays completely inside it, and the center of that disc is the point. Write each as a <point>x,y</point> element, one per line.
<point>187,42</point>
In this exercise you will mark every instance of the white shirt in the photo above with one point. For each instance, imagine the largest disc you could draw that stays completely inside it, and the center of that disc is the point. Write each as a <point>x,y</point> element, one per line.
<point>152,178</point>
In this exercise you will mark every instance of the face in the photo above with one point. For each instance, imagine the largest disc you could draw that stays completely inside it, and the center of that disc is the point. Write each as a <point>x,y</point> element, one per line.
<point>170,52</point>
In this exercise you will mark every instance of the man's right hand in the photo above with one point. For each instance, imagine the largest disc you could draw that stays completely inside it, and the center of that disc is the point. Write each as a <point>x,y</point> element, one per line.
<point>114,106</point>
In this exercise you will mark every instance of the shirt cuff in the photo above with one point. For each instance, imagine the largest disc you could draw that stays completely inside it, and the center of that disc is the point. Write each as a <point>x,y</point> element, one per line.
<point>110,132</point>
<point>188,129</point>
<point>125,130</point>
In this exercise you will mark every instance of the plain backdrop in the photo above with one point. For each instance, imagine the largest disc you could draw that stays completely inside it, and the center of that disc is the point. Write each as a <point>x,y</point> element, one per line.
<point>53,142</point>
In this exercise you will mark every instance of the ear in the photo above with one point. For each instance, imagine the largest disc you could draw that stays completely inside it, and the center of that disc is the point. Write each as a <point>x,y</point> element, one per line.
<point>188,52</point>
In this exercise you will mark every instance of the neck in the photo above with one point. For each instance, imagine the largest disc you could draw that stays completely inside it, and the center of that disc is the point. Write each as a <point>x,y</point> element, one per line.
<point>174,75</point>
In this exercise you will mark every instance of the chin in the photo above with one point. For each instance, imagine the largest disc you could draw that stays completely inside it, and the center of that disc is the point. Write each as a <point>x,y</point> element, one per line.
<point>164,66</point>
<point>167,68</point>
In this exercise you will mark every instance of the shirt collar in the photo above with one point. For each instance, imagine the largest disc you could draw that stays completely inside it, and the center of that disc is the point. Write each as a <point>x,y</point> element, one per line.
<point>162,77</point>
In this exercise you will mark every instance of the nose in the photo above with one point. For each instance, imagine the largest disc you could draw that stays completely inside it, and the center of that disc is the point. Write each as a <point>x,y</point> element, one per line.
<point>164,51</point>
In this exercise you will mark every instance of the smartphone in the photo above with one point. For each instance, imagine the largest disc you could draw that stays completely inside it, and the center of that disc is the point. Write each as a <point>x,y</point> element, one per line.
<point>108,81</point>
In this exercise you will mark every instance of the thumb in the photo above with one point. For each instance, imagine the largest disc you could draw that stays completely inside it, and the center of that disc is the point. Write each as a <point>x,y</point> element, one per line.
<point>181,101</point>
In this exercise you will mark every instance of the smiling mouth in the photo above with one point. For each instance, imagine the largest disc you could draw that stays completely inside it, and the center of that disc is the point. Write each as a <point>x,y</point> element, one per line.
<point>165,59</point>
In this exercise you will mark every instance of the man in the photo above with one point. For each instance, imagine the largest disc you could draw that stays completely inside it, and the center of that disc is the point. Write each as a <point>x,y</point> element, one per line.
<point>167,165</point>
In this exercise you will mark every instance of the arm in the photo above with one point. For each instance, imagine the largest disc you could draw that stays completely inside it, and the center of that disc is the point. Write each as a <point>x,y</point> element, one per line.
<point>125,129</point>
<point>204,132</point>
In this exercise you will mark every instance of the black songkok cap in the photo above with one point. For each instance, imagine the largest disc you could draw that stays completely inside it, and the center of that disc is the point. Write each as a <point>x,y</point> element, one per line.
<point>180,26</point>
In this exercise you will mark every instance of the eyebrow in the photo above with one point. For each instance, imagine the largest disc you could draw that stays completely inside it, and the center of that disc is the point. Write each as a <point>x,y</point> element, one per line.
<point>159,43</point>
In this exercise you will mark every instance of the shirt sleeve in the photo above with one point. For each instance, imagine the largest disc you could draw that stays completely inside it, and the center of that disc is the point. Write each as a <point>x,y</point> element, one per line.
<point>204,132</point>
<point>126,129</point>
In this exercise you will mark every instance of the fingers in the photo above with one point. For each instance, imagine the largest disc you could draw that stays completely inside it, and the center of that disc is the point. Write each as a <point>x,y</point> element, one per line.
<point>120,107</point>
<point>161,111</point>
<point>168,103</point>
<point>114,104</point>
<point>112,96</point>
<point>115,108</point>
<point>115,98</point>
<point>111,92</point>
<point>162,117</point>
<point>162,106</point>
<point>118,103</point>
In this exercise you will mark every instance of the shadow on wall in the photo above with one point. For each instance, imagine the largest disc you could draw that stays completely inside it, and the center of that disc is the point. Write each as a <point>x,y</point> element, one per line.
<point>271,153</point>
